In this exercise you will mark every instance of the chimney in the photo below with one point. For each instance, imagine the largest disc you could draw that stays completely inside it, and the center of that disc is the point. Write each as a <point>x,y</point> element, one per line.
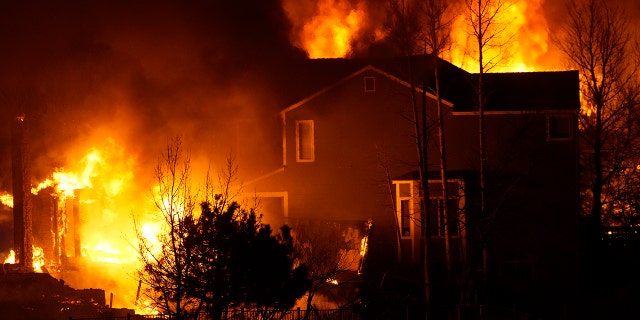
<point>21,175</point>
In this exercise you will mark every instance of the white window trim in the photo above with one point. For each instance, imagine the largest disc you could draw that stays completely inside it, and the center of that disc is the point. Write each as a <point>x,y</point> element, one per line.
<point>412,211</point>
<point>313,138</point>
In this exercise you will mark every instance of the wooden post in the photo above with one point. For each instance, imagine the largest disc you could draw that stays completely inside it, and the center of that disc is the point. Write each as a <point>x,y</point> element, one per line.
<point>21,176</point>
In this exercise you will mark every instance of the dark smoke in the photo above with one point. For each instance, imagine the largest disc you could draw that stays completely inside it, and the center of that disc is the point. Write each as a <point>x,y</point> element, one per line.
<point>143,69</point>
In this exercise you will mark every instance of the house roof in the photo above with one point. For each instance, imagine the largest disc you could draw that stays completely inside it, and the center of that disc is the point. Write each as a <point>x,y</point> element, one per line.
<point>526,91</point>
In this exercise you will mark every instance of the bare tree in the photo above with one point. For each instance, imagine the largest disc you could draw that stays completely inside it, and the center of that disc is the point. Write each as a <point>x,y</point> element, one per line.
<point>332,255</point>
<point>166,259</point>
<point>437,27</point>
<point>218,258</point>
<point>423,28</point>
<point>488,30</point>
<point>598,40</point>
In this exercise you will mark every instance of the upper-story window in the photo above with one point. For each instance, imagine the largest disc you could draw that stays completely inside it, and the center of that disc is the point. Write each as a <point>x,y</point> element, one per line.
<point>305,147</point>
<point>369,84</point>
<point>559,127</point>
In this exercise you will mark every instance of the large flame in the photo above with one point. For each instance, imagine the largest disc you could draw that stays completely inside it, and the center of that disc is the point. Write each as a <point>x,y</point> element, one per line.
<point>520,39</point>
<point>327,27</point>
<point>100,190</point>
<point>37,255</point>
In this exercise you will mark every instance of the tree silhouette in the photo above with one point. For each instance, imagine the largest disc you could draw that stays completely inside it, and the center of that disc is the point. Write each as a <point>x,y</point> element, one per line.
<point>239,263</point>
<point>166,259</point>
<point>218,258</point>
<point>598,40</point>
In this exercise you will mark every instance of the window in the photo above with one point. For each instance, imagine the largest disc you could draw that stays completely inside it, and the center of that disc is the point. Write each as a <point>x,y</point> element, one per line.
<point>305,149</point>
<point>405,218</point>
<point>559,127</point>
<point>369,84</point>
<point>437,218</point>
<point>404,208</point>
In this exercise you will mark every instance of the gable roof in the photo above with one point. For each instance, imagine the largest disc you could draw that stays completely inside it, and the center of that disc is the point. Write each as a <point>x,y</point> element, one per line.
<point>351,76</point>
<point>525,91</point>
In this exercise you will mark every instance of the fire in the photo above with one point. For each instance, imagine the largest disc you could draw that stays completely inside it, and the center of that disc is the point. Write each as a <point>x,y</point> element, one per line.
<point>66,183</point>
<point>326,32</point>
<point>6,199</point>
<point>38,258</point>
<point>329,28</point>
<point>521,39</point>
<point>97,197</point>
<point>11,258</point>
<point>37,255</point>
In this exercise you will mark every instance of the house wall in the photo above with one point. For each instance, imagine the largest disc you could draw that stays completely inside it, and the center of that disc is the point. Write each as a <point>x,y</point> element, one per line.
<point>531,188</point>
<point>532,197</point>
<point>356,134</point>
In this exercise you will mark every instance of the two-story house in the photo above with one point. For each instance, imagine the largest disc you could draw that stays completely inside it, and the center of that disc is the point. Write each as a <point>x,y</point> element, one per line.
<point>346,143</point>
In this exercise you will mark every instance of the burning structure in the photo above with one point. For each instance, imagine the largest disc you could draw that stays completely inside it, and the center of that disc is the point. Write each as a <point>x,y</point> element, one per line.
<point>126,77</point>
<point>29,291</point>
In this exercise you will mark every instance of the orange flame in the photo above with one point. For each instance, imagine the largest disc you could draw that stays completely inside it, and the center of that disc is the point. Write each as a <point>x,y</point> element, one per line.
<point>6,199</point>
<point>37,255</point>
<point>329,30</point>
<point>521,39</point>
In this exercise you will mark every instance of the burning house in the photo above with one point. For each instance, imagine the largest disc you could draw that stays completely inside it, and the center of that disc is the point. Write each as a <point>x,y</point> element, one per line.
<point>46,235</point>
<point>332,141</point>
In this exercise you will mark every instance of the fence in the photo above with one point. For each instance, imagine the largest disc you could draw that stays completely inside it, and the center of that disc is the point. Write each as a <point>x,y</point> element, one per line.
<point>254,314</point>
<point>460,312</point>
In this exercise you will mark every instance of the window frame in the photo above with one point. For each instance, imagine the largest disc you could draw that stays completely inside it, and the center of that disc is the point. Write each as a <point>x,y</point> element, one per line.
<point>369,83</point>
<point>400,198</point>
<point>560,116</point>
<point>299,141</point>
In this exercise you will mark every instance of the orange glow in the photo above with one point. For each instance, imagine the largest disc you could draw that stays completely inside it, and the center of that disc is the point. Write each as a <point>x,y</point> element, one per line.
<point>329,30</point>
<point>11,258</point>
<point>37,255</point>
<point>523,28</point>
<point>6,199</point>
<point>38,258</point>
<point>98,198</point>
<point>100,191</point>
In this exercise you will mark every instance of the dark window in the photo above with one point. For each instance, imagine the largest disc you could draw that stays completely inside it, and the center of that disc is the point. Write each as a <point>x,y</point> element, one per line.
<point>369,84</point>
<point>305,141</point>
<point>405,218</point>
<point>559,127</point>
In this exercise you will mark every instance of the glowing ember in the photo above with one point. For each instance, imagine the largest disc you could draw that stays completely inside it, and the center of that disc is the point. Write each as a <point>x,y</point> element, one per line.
<point>6,199</point>
<point>11,258</point>
<point>38,258</point>
<point>37,254</point>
